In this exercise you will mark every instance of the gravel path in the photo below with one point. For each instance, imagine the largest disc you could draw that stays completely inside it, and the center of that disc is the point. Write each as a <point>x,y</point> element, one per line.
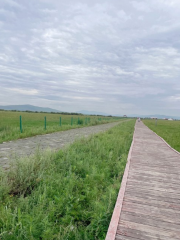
<point>54,141</point>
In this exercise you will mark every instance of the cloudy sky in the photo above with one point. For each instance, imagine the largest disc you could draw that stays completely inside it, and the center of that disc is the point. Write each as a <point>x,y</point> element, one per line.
<point>112,56</point>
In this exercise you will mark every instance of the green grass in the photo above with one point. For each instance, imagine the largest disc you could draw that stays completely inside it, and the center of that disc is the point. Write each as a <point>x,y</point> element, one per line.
<point>68,195</point>
<point>169,130</point>
<point>33,123</point>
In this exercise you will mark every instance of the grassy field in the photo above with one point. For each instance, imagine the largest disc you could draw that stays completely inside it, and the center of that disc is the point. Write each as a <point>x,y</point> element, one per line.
<point>33,123</point>
<point>169,130</point>
<point>69,195</point>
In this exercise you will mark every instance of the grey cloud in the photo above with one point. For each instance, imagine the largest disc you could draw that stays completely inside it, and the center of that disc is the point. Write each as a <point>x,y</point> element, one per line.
<point>115,57</point>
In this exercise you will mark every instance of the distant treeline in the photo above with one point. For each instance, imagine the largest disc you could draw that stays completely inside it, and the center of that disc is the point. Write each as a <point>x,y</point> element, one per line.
<point>28,111</point>
<point>63,113</point>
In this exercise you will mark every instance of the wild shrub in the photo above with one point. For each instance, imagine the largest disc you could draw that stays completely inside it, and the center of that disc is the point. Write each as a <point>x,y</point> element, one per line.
<point>80,121</point>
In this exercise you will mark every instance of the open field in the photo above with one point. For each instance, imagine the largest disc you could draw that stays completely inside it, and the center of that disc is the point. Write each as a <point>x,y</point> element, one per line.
<point>169,130</point>
<point>33,123</point>
<point>65,195</point>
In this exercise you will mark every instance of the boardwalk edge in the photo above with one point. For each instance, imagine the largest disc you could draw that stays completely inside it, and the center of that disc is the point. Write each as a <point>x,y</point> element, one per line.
<point>111,233</point>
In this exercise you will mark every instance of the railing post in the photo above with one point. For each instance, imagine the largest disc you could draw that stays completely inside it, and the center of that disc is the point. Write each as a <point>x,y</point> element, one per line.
<point>71,121</point>
<point>45,123</point>
<point>60,121</point>
<point>20,124</point>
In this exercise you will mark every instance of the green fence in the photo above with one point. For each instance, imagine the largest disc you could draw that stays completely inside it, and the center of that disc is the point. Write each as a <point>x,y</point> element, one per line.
<point>72,121</point>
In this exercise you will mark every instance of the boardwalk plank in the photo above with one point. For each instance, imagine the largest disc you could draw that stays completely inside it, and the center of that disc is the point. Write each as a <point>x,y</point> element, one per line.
<point>155,188</point>
<point>139,234</point>
<point>121,237</point>
<point>151,221</point>
<point>152,182</point>
<point>152,202</point>
<point>151,231</point>
<point>152,196</point>
<point>148,210</point>
<point>155,192</point>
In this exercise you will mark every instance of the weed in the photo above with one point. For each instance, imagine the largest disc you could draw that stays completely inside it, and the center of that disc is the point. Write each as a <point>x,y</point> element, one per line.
<point>65,195</point>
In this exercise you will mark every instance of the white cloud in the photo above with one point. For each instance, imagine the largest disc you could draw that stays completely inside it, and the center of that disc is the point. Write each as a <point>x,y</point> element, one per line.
<point>174,98</point>
<point>96,99</point>
<point>24,91</point>
<point>162,62</point>
<point>47,11</point>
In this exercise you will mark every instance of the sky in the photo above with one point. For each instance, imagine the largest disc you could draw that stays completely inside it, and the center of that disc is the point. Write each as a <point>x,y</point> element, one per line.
<point>113,56</point>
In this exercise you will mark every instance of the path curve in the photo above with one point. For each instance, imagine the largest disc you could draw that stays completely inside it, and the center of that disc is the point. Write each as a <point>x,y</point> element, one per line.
<point>54,141</point>
<point>151,199</point>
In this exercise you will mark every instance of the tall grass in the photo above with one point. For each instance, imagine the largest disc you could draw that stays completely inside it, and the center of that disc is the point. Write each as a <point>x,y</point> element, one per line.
<point>169,130</point>
<point>33,123</point>
<point>69,195</point>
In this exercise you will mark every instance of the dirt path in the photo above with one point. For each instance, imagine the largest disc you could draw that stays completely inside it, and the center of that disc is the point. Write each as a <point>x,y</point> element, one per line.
<point>54,141</point>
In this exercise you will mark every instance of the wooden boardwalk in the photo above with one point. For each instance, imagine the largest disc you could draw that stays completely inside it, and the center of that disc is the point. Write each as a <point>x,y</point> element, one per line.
<point>150,207</point>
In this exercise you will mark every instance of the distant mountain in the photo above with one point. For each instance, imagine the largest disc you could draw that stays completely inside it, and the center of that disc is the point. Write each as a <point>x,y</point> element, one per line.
<point>28,108</point>
<point>85,112</point>
<point>155,115</point>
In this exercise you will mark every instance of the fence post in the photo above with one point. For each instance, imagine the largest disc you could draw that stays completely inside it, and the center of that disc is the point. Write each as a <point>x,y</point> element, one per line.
<point>71,121</point>
<point>78,121</point>
<point>20,124</point>
<point>60,121</point>
<point>45,123</point>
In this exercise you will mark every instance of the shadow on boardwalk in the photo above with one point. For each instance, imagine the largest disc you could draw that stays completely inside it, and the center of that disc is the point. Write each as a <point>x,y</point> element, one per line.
<point>151,201</point>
